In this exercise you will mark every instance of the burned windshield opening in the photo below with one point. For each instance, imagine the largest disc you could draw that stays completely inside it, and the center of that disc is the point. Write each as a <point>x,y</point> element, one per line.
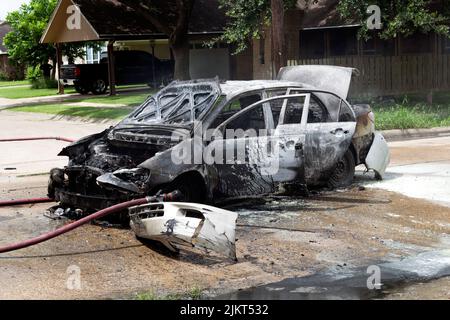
<point>177,104</point>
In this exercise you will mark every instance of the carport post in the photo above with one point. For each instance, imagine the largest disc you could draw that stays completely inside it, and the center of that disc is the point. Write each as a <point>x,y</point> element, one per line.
<point>59,64</point>
<point>111,69</point>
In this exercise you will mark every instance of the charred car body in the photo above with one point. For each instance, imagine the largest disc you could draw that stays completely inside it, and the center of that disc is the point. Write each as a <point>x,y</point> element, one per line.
<point>302,122</point>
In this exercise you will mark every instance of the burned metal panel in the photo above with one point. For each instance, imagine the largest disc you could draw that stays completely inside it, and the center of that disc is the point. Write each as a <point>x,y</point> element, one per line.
<point>330,78</point>
<point>379,156</point>
<point>186,225</point>
<point>326,143</point>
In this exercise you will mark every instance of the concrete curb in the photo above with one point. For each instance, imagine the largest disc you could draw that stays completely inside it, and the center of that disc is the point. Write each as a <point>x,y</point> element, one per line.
<point>408,134</point>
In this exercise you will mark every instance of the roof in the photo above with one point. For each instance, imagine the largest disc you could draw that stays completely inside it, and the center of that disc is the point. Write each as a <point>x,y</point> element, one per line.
<point>4,29</point>
<point>233,88</point>
<point>122,19</point>
<point>324,14</point>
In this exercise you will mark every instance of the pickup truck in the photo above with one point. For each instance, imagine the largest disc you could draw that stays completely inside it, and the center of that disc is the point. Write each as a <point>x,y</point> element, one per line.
<point>131,67</point>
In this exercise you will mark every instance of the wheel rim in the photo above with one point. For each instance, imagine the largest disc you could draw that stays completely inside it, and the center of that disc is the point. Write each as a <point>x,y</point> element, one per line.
<point>341,170</point>
<point>100,85</point>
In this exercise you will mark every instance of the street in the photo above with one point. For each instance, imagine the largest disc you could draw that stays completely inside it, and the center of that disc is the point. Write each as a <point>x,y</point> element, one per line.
<point>404,216</point>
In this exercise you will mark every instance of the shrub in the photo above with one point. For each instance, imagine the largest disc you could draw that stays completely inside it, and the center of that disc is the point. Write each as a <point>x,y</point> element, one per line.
<point>38,81</point>
<point>3,76</point>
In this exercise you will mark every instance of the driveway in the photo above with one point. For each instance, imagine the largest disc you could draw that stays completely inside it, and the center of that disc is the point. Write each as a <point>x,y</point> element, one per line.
<point>336,231</point>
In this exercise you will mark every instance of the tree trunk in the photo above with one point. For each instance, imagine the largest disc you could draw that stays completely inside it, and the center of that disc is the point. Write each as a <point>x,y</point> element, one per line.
<point>279,58</point>
<point>53,76</point>
<point>181,54</point>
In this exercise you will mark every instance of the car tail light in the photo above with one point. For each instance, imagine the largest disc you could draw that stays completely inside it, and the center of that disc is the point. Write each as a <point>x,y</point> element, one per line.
<point>77,72</point>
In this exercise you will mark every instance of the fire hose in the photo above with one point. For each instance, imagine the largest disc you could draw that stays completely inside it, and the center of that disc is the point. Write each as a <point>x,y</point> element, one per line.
<point>36,138</point>
<point>24,201</point>
<point>175,195</point>
<point>33,200</point>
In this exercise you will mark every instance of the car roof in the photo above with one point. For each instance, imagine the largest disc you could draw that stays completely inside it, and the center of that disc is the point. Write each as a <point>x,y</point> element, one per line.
<point>234,88</point>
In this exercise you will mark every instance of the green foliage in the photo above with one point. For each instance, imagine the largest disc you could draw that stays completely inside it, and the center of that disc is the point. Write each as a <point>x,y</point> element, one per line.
<point>193,294</point>
<point>398,17</point>
<point>28,25</point>
<point>3,76</point>
<point>44,83</point>
<point>247,20</point>
<point>34,73</point>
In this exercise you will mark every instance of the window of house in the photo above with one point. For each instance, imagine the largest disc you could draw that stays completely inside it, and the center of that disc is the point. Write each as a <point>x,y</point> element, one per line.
<point>416,43</point>
<point>94,56</point>
<point>312,44</point>
<point>377,46</point>
<point>343,41</point>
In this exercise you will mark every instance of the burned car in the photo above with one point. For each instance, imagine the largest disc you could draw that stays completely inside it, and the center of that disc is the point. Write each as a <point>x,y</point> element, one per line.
<point>214,140</point>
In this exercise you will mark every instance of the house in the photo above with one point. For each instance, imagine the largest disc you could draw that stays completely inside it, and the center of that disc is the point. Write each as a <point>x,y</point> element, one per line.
<point>318,35</point>
<point>120,24</point>
<point>6,70</point>
<point>314,35</point>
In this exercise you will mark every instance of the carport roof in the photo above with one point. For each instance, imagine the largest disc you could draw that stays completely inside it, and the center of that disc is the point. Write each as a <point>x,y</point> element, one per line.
<point>122,20</point>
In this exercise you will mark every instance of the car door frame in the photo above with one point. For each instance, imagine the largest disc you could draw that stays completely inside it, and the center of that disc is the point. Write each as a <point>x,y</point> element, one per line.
<point>272,137</point>
<point>327,142</point>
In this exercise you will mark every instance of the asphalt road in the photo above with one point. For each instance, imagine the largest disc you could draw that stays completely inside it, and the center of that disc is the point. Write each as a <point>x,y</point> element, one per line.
<point>402,217</point>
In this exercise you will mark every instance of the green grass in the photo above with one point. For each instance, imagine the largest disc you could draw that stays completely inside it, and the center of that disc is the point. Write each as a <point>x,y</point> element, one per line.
<point>409,117</point>
<point>133,99</point>
<point>193,294</point>
<point>74,111</point>
<point>28,92</point>
<point>13,83</point>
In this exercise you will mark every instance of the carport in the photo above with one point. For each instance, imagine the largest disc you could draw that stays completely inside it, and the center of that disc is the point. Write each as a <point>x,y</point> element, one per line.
<point>111,20</point>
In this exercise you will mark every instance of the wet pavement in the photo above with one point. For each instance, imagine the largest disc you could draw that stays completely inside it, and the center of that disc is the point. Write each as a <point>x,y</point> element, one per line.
<point>311,247</point>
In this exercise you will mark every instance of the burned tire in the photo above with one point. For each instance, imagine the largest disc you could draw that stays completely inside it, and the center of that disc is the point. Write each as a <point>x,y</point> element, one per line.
<point>99,86</point>
<point>344,172</point>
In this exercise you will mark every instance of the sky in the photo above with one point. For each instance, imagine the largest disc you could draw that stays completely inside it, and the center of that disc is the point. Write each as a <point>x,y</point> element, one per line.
<point>9,5</point>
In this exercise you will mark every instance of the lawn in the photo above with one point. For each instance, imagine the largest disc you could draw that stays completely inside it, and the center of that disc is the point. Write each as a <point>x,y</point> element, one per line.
<point>400,116</point>
<point>412,112</point>
<point>129,99</point>
<point>28,92</point>
<point>65,110</point>
<point>13,83</point>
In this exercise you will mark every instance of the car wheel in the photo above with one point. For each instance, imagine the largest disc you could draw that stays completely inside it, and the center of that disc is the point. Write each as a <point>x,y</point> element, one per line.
<point>81,89</point>
<point>191,187</point>
<point>344,172</point>
<point>99,86</point>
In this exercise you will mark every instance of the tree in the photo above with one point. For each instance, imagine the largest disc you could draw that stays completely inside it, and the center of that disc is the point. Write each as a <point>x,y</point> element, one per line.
<point>170,17</point>
<point>23,42</point>
<point>249,18</point>
<point>399,17</point>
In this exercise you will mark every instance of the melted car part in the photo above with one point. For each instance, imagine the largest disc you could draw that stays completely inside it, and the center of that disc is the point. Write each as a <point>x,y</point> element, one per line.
<point>186,224</point>
<point>330,78</point>
<point>378,157</point>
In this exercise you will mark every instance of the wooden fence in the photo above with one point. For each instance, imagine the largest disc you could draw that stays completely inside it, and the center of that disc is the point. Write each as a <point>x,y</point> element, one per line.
<point>393,75</point>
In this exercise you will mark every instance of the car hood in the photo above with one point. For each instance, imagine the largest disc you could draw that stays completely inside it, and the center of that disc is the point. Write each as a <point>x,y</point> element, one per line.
<point>329,78</point>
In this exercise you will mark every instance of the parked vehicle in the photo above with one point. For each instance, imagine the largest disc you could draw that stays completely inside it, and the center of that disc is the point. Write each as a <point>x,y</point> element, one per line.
<point>285,134</point>
<point>131,67</point>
